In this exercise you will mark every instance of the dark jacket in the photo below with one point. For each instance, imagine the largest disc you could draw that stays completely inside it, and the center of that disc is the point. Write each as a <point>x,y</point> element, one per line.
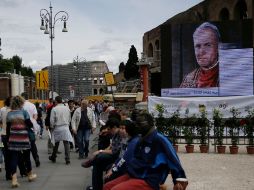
<point>154,156</point>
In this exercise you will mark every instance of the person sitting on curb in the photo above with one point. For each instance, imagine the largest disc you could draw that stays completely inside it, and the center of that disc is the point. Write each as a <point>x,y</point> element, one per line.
<point>103,158</point>
<point>128,129</point>
<point>153,158</point>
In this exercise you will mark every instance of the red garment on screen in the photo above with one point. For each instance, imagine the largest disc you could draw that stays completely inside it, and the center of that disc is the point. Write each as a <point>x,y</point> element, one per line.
<point>208,78</point>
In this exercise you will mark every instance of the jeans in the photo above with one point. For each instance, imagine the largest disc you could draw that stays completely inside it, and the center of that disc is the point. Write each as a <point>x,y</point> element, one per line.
<point>41,126</point>
<point>66,150</point>
<point>6,153</point>
<point>100,164</point>
<point>1,156</point>
<point>34,151</point>
<point>16,156</point>
<point>83,141</point>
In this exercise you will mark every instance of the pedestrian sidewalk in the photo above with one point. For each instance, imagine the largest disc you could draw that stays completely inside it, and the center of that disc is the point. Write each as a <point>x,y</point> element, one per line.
<point>54,176</point>
<point>204,171</point>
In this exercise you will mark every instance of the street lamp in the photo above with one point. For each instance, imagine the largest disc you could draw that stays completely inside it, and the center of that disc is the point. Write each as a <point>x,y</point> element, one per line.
<point>144,64</point>
<point>48,25</point>
<point>76,65</point>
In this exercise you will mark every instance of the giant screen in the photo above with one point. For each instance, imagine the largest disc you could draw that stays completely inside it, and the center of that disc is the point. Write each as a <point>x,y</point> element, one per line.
<point>211,59</point>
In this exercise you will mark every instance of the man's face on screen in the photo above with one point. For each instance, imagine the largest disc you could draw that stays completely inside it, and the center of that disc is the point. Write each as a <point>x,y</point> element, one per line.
<point>206,47</point>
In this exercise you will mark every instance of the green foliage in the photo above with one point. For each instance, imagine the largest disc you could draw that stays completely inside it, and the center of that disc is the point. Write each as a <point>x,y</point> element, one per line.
<point>233,124</point>
<point>27,71</point>
<point>203,127</point>
<point>168,126</point>
<point>131,70</point>
<point>160,120</point>
<point>248,125</point>
<point>8,65</point>
<point>17,63</point>
<point>218,127</point>
<point>189,124</point>
<point>160,108</point>
<point>174,122</point>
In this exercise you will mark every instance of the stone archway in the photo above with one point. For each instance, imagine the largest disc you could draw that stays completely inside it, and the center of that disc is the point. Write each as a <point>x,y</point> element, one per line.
<point>150,50</point>
<point>224,14</point>
<point>101,91</point>
<point>157,45</point>
<point>240,10</point>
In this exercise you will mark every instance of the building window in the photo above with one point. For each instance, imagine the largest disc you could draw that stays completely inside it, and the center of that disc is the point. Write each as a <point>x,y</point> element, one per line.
<point>101,91</point>
<point>95,80</point>
<point>157,44</point>
<point>240,11</point>
<point>95,91</point>
<point>224,14</point>
<point>150,50</point>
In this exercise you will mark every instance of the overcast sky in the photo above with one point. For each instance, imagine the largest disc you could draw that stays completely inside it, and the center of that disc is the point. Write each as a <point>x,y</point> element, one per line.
<point>98,30</point>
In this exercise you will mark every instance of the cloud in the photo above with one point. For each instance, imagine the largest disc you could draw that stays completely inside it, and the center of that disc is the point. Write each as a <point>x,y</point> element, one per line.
<point>12,3</point>
<point>105,45</point>
<point>106,30</point>
<point>35,64</point>
<point>23,45</point>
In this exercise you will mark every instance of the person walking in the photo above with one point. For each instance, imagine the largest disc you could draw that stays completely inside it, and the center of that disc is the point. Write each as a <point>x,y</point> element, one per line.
<point>60,118</point>
<point>47,124</point>
<point>17,125</point>
<point>83,123</point>
<point>3,113</point>
<point>72,110</point>
<point>39,118</point>
<point>32,111</point>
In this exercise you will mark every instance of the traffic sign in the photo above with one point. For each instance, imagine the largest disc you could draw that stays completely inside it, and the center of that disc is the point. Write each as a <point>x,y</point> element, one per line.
<point>109,78</point>
<point>42,80</point>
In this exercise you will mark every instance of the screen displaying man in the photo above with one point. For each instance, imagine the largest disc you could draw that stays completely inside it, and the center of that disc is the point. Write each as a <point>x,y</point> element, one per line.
<point>206,44</point>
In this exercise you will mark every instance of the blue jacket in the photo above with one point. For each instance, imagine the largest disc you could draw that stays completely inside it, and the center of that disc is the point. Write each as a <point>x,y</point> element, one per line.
<point>154,157</point>
<point>122,163</point>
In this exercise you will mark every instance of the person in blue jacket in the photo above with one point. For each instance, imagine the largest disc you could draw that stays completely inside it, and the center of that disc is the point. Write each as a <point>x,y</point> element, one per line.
<point>153,158</point>
<point>120,166</point>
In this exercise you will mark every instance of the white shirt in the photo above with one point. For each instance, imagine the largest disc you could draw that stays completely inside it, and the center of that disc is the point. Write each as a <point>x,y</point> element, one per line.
<point>60,116</point>
<point>30,108</point>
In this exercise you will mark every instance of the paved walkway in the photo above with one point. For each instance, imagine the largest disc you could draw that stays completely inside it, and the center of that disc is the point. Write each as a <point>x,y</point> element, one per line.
<point>215,171</point>
<point>53,176</point>
<point>205,172</point>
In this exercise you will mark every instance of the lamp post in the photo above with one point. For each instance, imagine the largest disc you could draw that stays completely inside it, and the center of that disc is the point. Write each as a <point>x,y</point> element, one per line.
<point>76,65</point>
<point>144,63</point>
<point>48,25</point>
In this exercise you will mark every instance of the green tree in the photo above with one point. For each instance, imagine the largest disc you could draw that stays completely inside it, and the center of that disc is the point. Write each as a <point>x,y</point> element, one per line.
<point>6,66</point>
<point>17,63</point>
<point>27,71</point>
<point>131,69</point>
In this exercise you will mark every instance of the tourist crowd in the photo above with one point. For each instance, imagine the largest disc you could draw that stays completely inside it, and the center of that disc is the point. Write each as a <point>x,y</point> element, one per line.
<point>131,153</point>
